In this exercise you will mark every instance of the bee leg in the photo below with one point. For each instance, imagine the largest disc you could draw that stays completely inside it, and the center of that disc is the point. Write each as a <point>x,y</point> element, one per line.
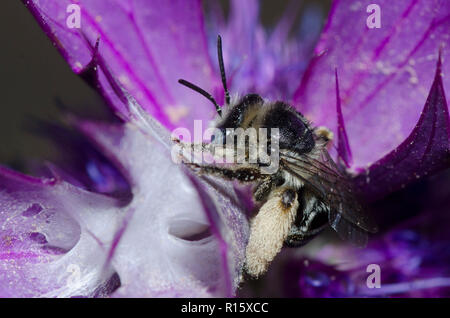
<point>192,146</point>
<point>187,151</point>
<point>269,229</point>
<point>296,237</point>
<point>304,231</point>
<point>242,174</point>
<point>263,188</point>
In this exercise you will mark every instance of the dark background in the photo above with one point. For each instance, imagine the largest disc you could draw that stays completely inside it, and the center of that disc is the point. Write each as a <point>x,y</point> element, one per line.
<point>34,75</point>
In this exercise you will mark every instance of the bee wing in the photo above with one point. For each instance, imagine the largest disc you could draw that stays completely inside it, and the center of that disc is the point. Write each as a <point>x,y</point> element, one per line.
<point>321,174</point>
<point>347,230</point>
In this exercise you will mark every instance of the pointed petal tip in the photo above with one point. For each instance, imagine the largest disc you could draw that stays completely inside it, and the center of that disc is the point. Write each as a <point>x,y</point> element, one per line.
<point>424,152</point>
<point>89,73</point>
<point>439,61</point>
<point>439,76</point>
<point>343,146</point>
<point>91,70</point>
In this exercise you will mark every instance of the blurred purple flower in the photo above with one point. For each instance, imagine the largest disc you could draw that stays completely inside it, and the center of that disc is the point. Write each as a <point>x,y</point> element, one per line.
<point>123,220</point>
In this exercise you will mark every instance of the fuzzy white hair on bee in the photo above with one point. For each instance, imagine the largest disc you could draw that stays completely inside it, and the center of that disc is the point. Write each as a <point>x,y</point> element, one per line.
<point>308,191</point>
<point>269,229</point>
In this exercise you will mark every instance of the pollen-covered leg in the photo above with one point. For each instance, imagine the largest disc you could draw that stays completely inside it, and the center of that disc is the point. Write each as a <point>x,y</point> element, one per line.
<point>242,174</point>
<point>192,146</point>
<point>263,189</point>
<point>269,228</point>
<point>314,218</point>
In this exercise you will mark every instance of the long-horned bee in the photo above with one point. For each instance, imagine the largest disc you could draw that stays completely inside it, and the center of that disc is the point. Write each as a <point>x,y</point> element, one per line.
<point>307,193</point>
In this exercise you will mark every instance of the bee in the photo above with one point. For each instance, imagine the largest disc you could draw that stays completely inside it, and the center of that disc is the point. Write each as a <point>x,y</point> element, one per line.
<point>309,191</point>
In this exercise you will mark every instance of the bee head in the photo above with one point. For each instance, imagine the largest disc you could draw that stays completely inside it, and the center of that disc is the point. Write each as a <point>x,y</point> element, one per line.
<point>237,116</point>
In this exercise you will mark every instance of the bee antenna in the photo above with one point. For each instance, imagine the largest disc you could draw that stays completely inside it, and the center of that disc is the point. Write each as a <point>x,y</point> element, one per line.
<point>222,69</point>
<point>203,92</point>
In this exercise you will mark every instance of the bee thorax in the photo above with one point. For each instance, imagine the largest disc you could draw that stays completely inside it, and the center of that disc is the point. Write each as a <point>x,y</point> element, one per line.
<point>292,181</point>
